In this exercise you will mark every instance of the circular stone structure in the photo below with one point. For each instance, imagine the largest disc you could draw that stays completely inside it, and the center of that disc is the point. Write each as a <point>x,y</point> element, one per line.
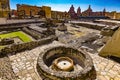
<point>65,63</point>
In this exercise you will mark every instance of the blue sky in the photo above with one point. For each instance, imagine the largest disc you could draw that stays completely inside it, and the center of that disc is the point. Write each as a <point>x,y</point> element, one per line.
<point>64,5</point>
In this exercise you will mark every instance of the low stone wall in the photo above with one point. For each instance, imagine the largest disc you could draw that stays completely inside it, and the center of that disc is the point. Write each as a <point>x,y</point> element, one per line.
<point>106,23</point>
<point>26,46</point>
<point>97,27</point>
<point>6,41</point>
<point>33,34</point>
<point>107,32</point>
<point>12,28</point>
<point>19,22</point>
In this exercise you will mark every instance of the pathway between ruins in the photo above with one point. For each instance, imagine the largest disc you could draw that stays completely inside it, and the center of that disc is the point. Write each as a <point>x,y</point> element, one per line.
<point>24,65</point>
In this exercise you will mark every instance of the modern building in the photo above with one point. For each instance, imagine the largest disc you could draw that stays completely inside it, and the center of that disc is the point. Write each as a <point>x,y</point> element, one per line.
<point>4,8</point>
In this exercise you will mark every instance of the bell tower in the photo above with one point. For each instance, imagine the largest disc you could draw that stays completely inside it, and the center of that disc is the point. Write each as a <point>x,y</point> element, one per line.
<point>78,11</point>
<point>72,12</point>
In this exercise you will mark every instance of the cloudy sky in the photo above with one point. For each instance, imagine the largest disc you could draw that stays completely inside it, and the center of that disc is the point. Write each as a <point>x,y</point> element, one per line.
<point>64,5</point>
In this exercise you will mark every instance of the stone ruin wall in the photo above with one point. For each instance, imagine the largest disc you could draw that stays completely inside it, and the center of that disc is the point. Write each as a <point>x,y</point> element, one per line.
<point>33,34</point>
<point>26,46</point>
<point>97,27</point>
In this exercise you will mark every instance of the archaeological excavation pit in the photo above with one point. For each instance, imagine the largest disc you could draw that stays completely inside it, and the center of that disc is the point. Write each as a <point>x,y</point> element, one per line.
<point>65,63</point>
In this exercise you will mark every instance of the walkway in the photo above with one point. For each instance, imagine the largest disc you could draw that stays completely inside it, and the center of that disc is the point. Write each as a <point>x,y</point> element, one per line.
<point>24,65</point>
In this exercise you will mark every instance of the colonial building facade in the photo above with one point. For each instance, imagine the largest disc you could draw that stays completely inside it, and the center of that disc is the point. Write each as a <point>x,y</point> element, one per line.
<point>87,13</point>
<point>59,15</point>
<point>113,15</point>
<point>29,11</point>
<point>4,8</point>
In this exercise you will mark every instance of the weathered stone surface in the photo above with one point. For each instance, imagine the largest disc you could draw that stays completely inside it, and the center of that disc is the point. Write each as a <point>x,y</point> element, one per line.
<point>6,72</point>
<point>112,46</point>
<point>26,46</point>
<point>30,58</point>
<point>86,62</point>
<point>62,27</point>
<point>90,25</point>
<point>6,41</point>
<point>32,33</point>
<point>109,30</point>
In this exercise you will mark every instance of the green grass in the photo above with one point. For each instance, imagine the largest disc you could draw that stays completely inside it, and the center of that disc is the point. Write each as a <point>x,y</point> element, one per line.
<point>18,34</point>
<point>1,47</point>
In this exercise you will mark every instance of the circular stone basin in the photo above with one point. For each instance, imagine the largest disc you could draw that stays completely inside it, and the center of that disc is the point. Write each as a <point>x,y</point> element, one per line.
<point>65,63</point>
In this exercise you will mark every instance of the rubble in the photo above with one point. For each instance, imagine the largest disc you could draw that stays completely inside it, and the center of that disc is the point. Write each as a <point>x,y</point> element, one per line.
<point>91,42</point>
<point>6,41</point>
<point>62,27</point>
<point>109,30</point>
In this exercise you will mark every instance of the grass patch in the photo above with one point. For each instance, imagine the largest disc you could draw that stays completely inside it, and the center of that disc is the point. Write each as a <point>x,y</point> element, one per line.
<point>1,47</point>
<point>19,34</point>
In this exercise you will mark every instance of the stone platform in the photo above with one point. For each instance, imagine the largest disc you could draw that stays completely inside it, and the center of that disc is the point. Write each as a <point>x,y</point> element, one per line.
<point>24,65</point>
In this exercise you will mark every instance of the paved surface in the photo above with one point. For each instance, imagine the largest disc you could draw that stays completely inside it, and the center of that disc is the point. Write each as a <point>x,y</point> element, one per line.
<point>89,23</point>
<point>5,21</point>
<point>24,65</point>
<point>106,69</point>
<point>110,21</point>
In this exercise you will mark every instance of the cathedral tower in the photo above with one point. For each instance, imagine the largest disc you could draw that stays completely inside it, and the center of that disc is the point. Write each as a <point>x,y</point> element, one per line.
<point>78,11</point>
